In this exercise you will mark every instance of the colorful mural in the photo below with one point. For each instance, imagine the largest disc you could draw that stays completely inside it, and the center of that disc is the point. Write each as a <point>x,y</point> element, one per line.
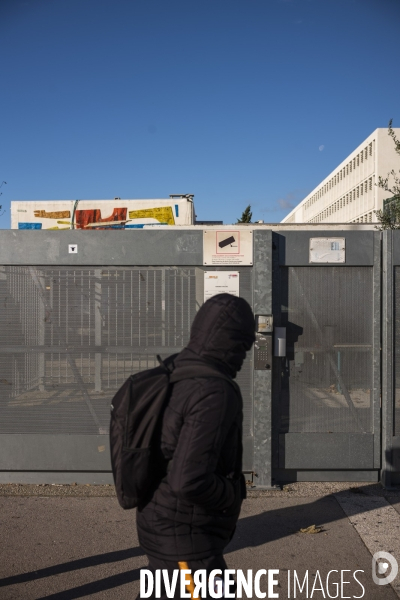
<point>100,214</point>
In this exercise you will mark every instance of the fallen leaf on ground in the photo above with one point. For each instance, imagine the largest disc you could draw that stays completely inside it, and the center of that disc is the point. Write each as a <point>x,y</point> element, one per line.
<point>311,529</point>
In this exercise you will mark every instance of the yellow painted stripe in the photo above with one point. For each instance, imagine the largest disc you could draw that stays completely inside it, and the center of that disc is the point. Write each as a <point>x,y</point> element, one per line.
<point>163,214</point>
<point>190,586</point>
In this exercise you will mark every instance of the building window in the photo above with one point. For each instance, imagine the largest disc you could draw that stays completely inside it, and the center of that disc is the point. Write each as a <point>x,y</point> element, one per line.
<point>351,164</point>
<point>370,183</point>
<point>358,192</point>
<point>354,163</point>
<point>366,187</point>
<point>358,160</point>
<point>370,152</point>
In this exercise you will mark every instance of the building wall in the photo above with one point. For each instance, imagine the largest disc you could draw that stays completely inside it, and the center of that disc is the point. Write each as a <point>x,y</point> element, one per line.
<point>349,194</point>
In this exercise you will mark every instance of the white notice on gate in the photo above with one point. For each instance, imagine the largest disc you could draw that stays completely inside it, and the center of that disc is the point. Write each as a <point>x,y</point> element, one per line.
<point>219,282</point>
<point>228,247</point>
<point>327,250</point>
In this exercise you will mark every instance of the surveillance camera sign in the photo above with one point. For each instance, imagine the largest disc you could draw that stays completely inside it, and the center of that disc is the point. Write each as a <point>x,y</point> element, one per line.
<point>228,247</point>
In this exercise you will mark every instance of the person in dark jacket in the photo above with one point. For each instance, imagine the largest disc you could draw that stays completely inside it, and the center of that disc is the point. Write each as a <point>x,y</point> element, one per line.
<point>192,514</point>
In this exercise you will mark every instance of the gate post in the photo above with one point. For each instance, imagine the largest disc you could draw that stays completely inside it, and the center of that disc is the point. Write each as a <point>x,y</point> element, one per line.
<point>387,360</point>
<point>262,303</point>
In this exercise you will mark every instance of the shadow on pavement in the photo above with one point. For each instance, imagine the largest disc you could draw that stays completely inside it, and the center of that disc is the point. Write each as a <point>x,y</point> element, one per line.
<point>75,565</point>
<point>252,531</point>
<point>100,585</point>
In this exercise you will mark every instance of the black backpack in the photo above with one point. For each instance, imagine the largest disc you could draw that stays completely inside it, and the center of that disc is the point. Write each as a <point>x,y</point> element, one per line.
<point>138,464</point>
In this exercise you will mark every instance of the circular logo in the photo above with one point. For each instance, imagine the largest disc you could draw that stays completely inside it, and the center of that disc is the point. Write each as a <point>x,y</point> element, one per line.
<point>380,568</point>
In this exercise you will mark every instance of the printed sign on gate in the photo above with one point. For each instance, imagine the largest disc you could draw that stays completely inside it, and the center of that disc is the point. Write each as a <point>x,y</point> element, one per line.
<point>228,247</point>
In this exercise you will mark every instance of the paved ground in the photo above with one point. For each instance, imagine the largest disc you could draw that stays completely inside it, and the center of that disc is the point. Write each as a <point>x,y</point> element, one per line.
<point>67,542</point>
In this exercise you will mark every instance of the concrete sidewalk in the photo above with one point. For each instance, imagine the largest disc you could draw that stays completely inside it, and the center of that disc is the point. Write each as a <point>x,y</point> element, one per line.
<point>67,542</point>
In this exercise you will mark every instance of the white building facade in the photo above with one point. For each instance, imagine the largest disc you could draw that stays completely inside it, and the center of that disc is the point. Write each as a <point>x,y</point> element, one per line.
<point>349,194</point>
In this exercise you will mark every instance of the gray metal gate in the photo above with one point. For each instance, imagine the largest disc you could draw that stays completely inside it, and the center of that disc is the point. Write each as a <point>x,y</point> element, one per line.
<point>74,326</point>
<point>391,359</point>
<point>326,394</point>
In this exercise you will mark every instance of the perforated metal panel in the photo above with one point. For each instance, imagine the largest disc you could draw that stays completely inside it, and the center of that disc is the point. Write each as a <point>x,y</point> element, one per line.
<point>69,337</point>
<point>327,376</point>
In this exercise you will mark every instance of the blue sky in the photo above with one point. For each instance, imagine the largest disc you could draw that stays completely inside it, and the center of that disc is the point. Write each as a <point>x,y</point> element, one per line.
<point>236,101</point>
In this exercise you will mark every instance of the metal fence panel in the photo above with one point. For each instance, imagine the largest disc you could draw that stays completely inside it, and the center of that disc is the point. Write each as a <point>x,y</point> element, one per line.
<point>70,336</point>
<point>329,320</point>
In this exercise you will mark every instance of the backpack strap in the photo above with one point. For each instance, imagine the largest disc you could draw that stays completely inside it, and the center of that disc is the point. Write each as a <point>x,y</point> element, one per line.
<point>182,373</point>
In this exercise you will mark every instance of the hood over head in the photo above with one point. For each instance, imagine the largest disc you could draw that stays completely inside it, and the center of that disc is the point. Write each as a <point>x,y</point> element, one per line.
<point>223,331</point>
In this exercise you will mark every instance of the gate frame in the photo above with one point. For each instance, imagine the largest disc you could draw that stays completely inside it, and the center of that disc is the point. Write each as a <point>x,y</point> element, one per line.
<point>181,247</point>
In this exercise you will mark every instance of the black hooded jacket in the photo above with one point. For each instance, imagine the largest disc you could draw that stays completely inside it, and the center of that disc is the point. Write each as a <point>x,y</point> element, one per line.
<point>193,512</point>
